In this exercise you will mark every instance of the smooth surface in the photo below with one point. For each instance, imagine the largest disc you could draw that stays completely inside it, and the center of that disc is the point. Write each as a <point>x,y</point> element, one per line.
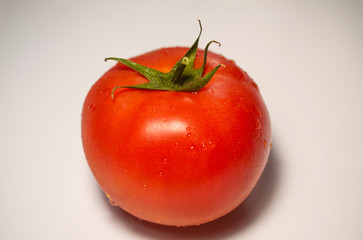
<point>176,158</point>
<point>306,56</point>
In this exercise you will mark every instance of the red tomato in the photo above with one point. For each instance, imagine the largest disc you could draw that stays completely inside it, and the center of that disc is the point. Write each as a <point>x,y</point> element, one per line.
<point>176,158</point>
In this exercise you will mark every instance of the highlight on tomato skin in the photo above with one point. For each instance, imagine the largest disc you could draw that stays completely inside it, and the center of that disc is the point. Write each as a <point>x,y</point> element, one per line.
<point>176,156</point>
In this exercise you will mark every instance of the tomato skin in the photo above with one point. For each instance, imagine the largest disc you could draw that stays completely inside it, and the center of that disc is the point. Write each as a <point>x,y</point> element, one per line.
<point>176,158</point>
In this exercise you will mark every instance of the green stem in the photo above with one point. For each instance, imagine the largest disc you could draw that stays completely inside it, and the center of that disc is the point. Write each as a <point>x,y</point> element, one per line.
<point>182,77</point>
<point>177,77</point>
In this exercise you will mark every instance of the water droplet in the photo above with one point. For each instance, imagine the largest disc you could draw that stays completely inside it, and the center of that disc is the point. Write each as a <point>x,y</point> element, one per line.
<point>258,124</point>
<point>255,85</point>
<point>177,144</point>
<point>189,134</point>
<point>258,111</point>
<point>193,149</point>
<point>112,202</point>
<point>208,146</point>
<point>188,128</point>
<point>165,161</point>
<point>160,174</point>
<point>144,186</point>
<point>265,143</point>
<point>194,92</point>
<point>236,104</point>
<point>204,146</point>
<point>91,107</point>
<point>105,91</point>
<point>166,51</point>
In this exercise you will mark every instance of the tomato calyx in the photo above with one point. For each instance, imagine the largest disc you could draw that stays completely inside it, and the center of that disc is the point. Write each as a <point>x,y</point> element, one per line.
<point>182,77</point>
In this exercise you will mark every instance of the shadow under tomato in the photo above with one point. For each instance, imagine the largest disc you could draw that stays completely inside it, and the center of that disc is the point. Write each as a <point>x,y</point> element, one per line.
<point>235,222</point>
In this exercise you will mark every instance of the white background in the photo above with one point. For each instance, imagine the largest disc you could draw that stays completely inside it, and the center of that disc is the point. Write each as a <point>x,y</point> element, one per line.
<point>306,56</point>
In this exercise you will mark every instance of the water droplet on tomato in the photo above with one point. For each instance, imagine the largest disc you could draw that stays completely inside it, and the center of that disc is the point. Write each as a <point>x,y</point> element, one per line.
<point>258,111</point>
<point>166,51</point>
<point>105,91</point>
<point>193,149</point>
<point>112,202</point>
<point>189,134</point>
<point>165,161</point>
<point>160,174</point>
<point>204,146</point>
<point>91,107</point>
<point>237,104</point>
<point>188,128</point>
<point>144,186</point>
<point>258,124</point>
<point>177,144</point>
<point>255,85</point>
<point>208,145</point>
<point>265,143</point>
<point>211,144</point>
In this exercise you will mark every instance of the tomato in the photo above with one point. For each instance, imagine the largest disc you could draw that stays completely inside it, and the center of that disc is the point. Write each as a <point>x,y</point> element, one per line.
<point>176,157</point>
